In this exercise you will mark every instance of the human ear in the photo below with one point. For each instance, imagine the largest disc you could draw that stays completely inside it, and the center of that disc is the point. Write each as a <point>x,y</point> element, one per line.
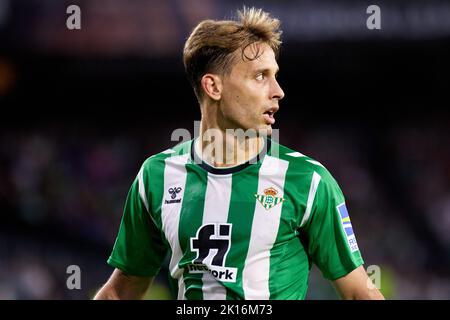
<point>212,86</point>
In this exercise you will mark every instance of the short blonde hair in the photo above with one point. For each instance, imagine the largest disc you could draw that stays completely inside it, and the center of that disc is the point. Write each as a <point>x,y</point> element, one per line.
<point>211,45</point>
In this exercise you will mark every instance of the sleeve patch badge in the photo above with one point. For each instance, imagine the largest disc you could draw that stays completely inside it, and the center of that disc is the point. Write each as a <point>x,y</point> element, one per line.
<point>347,226</point>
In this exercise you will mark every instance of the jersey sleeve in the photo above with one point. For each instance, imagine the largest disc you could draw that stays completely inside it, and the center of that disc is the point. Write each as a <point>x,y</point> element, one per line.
<point>139,248</point>
<point>330,238</point>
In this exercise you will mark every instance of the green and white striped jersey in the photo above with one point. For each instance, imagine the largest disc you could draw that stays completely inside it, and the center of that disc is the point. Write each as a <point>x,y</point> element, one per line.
<point>246,232</point>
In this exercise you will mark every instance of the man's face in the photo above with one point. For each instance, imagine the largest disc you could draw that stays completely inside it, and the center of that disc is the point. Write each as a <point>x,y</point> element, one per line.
<point>251,92</point>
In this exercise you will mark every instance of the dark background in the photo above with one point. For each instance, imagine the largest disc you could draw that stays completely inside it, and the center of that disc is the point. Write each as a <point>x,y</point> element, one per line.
<point>80,110</point>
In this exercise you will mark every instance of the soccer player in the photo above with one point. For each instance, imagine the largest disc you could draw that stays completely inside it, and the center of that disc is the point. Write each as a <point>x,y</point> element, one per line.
<point>245,221</point>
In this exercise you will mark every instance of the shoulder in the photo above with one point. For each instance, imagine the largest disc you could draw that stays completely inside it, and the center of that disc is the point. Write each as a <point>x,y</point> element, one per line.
<point>300,163</point>
<point>157,160</point>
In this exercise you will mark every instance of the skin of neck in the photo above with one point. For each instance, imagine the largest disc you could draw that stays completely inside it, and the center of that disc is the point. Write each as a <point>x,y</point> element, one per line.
<point>218,143</point>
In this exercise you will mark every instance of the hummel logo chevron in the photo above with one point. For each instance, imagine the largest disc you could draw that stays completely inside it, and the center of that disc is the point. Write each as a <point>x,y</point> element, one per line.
<point>173,194</point>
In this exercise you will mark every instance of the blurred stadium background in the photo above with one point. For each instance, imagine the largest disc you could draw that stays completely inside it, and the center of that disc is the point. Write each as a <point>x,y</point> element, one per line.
<point>82,109</point>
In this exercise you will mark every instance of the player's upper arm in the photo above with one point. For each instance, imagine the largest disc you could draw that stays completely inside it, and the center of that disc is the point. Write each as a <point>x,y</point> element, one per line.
<point>357,286</point>
<point>139,248</point>
<point>122,286</point>
<point>330,240</point>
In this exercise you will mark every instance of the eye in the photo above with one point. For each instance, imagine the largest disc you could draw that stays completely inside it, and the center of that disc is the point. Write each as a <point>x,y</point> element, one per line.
<point>260,77</point>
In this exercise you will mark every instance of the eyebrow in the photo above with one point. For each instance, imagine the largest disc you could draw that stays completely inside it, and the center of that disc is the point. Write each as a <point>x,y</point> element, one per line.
<point>266,70</point>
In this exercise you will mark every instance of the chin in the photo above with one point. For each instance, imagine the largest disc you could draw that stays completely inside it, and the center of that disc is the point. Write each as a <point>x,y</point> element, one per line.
<point>264,130</point>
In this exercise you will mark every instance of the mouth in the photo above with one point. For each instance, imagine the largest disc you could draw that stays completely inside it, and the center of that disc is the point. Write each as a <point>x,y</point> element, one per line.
<point>269,116</point>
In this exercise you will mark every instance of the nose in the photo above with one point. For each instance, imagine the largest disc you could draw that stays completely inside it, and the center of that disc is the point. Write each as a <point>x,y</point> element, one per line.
<point>277,92</point>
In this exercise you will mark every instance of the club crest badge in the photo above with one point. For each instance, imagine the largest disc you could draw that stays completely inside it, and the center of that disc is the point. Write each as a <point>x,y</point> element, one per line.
<point>269,199</point>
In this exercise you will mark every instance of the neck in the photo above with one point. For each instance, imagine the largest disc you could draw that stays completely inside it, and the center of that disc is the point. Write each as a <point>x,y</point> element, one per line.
<point>220,147</point>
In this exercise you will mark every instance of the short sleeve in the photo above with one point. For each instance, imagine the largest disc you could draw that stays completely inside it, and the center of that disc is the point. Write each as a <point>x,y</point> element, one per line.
<point>331,240</point>
<point>139,249</point>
